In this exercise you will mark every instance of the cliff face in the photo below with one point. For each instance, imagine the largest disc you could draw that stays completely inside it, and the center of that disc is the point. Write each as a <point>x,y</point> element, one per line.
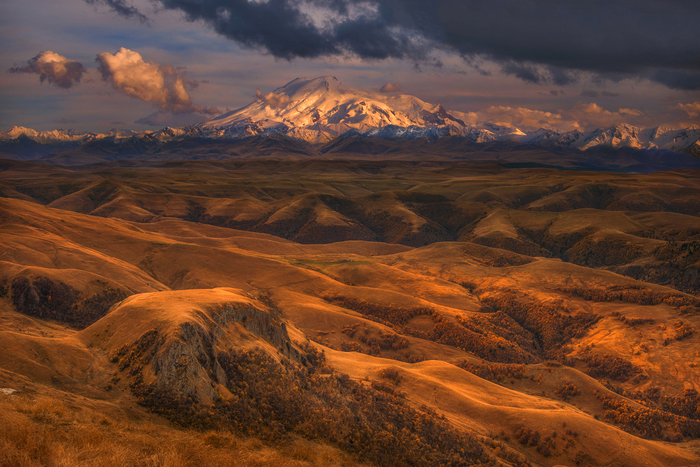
<point>179,354</point>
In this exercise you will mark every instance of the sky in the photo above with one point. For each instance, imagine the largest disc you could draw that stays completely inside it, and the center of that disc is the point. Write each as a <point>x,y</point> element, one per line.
<point>94,65</point>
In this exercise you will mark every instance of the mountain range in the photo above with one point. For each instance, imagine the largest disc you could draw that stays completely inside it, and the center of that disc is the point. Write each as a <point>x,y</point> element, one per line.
<point>318,111</point>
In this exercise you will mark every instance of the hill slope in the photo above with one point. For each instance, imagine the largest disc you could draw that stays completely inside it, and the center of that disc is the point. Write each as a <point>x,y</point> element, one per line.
<point>493,299</point>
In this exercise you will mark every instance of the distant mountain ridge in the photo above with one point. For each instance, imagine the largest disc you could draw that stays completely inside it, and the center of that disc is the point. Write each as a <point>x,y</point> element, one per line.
<point>319,110</point>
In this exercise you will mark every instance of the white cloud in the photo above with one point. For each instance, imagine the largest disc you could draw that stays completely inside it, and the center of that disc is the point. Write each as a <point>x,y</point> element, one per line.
<point>693,109</point>
<point>525,118</point>
<point>54,68</point>
<point>275,101</point>
<point>581,116</point>
<point>160,85</point>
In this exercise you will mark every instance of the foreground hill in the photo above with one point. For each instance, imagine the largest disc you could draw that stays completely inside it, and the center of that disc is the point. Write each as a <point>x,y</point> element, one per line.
<point>470,315</point>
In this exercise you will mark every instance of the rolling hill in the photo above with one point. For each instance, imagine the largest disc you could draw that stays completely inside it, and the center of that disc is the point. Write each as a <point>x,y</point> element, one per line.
<point>312,311</point>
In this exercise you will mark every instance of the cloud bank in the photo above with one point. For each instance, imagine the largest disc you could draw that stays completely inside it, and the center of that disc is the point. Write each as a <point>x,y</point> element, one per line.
<point>308,28</point>
<point>693,109</point>
<point>543,42</point>
<point>582,116</point>
<point>54,68</point>
<point>161,85</point>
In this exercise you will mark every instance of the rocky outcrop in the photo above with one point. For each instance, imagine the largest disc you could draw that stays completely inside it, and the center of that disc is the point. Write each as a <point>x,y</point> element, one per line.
<point>184,361</point>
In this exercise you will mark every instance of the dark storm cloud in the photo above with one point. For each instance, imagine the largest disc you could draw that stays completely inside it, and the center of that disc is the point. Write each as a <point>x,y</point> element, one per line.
<point>593,35</point>
<point>538,74</point>
<point>543,41</point>
<point>277,26</point>
<point>121,8</point>
<point>678,79</point>
<point>527,73</point>
<point>54,68</point>
<point>284,29</point>
<point>589,93</point>
<point>562,77</point>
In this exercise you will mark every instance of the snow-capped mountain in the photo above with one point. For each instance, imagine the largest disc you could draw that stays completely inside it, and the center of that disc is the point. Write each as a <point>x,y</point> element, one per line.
<point>622,135</point>
<point>56,136</point>
<point>42,136</point>
<point>321,109</point>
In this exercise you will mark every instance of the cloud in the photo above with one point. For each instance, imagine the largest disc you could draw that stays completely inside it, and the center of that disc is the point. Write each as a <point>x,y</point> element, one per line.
<point>165,118</point>
<point>562,77</point>
<point>591,115</point>
<point>275,101</point>
<point>537,74</point>
<point>54,68</point>
<point>548,41</point>
<point>641,38</point>
<point>632,112</point>
<point>678,79</point>
<point>524,118</point>
<point>528,73</point>
<point>161,85</point>
<point>369,29</point>
<point>552,92</point>
<point>593,93</point>
<point>582,116</point>
<point>390,87</point>
<point>122,9</point>
<point>287,29</point>
<point>693,109</point>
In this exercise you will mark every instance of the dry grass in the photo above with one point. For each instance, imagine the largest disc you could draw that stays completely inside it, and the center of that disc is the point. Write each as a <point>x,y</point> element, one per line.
<point>43,431</point>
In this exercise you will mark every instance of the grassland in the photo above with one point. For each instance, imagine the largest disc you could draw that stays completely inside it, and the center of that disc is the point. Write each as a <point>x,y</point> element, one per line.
<point>342,312</point>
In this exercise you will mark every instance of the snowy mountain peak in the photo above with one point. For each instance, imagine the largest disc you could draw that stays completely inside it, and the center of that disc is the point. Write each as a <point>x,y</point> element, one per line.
<point>301,87</point>
<point>320,109</point>
<point>42,136</point>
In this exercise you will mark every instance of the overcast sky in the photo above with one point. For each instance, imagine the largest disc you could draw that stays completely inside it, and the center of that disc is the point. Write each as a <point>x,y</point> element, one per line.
<point>93,65</point>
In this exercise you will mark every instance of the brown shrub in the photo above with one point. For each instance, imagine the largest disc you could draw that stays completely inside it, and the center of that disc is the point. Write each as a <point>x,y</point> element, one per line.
<point>567,390</point>
<point>391,374</point>
<point>41,431</point>
<point>632,321</point>
<point>607,366</point>
<point>275,401</point>
<point>631,294</point>
<point>48,299</point>
<point>683,331</point>
<point>495,372</point>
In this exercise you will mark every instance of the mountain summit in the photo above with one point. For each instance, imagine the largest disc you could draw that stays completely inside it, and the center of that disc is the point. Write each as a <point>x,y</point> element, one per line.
<point>319,109</point>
